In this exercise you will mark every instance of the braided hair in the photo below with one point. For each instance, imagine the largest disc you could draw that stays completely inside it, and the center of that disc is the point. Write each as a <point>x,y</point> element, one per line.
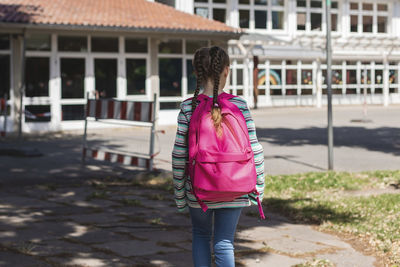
<point>208,64</point>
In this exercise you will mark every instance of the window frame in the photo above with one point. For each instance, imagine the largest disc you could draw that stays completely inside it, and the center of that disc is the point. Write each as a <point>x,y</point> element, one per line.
<point>360,13</point>
<point>320,10</point>
<point>252,8</point>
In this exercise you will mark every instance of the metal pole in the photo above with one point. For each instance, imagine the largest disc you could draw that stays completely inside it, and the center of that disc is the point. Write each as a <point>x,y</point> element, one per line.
<point>329,83</point>
<point>365,94</point>
<point>153,132</point>
<point>5,114</point>
<point>84,143</point>
<point>22,88</point>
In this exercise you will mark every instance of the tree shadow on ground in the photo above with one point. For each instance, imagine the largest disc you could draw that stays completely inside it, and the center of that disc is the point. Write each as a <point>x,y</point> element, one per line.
<point>383,139</point>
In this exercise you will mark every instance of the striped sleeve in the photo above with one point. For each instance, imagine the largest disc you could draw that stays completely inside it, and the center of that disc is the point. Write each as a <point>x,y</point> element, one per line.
<point>258,154</point>
<point>179,158</point>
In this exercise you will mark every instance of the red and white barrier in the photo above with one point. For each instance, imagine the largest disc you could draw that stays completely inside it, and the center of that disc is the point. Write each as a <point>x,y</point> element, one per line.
<point>3,111</point>
<point>119,110</point>
<point>133,111</point>
<point>117,158</point>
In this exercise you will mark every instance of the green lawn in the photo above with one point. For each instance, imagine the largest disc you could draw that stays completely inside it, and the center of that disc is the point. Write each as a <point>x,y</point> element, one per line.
<point>328,199</point>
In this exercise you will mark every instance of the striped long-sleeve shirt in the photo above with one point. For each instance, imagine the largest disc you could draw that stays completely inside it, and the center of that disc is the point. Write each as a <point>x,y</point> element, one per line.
<point>182,184</point>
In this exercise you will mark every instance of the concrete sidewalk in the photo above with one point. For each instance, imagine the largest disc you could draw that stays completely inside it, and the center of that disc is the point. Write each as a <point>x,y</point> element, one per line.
<point>52,215</point>
<point>116,223</point>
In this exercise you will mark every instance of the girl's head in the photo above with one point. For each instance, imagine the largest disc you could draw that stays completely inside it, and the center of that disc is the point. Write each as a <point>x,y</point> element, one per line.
<point>211,65</point>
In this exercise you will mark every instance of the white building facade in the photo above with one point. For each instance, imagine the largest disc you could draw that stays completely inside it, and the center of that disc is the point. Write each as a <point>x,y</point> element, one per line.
<point>288,37</point>
<point>63,64</point>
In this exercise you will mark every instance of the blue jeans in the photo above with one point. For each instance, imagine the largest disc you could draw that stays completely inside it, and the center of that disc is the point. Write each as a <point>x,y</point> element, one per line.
<point>225,221</point>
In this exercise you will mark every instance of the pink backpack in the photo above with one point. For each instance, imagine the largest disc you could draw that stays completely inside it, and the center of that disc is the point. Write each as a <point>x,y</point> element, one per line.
<point>220,168</point>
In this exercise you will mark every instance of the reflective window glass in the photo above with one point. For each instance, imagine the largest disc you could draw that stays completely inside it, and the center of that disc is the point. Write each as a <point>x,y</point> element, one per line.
<point>316,3</point>
<point>167,2</point>
<point>301,21</point>
<point>201,11</point>
<point>201,1</point>
<point>104,44</point>
<point>191,77</point>
<point>334,20</point>
<point>277,20</point>
<point>291,77</point>
<point>354,23</point>
<point>334,5</point>
<point>260,19</point>
<point>170,47</point>
<point>244,19</point>
<point>278,2</point>
<point>219,1</point>
<point>378,76</point>
<point>4,42</point>
<point>382,7</point>
<point>351,77</point>
<point>367,6</point>
<point>37,75</point>
<point>72,112</point>
<point>4,75</point>
<point>367,23</point>
<point>244,2</point>
<point>105,73</point>
<point>136,76</point>
<point>219,14</point>
<point>306,77</point>
<point>301,3</point>
<point>38,42</point>
<point>37,113</point>
<point>354,6</point>
<point>261,2</point>
<point>193,45</point>
<point>170,76</point>
<point>382,24</point>
<point>316,21</point>
<point>72,43</point>
<point>72,77</point>
<point>133,45</point>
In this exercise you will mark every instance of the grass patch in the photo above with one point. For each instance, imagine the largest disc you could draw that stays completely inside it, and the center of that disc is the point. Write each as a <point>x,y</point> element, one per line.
<point>318,198</point>
<point>97,195</point>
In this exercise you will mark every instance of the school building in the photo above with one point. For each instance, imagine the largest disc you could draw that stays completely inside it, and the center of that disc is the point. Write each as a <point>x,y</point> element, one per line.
<point>54,54</point>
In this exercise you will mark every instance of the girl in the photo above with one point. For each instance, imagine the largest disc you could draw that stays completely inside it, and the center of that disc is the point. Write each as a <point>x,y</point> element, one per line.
<point>211,66</point>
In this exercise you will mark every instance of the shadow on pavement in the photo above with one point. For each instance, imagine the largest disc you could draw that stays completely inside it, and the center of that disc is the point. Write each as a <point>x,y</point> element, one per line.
<point>384,139</point>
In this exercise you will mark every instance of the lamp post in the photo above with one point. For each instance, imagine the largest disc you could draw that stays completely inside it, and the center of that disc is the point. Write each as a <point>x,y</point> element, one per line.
<point>329,83</point>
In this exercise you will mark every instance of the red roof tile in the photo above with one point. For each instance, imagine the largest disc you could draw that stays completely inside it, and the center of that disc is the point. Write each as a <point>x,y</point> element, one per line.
<point>129,14</point>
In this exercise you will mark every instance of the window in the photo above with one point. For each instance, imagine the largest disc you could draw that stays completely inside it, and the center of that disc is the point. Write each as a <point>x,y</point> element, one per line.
<point>72,43</point>
<point>4,75</point>
<point>136,76</point>
<point>105,72</point>
<point>167,2</point>
<point>260,19</point>
<point>193,45</point>
<point>37,113</point>
<point>104,44</point>
<point>38,42</point>
<point>72,112</point>
<point>244,19</point>
<point>191,77</point>
<point>211,9</point>
<point>170,47</point>
<point>135,45</point>
<point>219,14</point>
<point>4,42</point>
<point>170,76</point>
<point>265,14</point>
<point>310,15</point>
<point>37,76</point>
<point>372,17</point>
<point>72,77</point>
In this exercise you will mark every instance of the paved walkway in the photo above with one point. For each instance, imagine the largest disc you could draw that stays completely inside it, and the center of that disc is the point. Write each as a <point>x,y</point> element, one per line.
<point>52,215</point>
<point>117,223</point>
